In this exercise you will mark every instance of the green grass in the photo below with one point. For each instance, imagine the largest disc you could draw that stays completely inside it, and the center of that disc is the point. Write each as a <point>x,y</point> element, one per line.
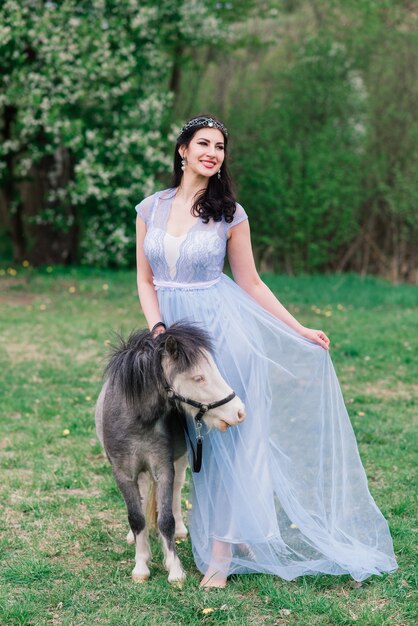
<point>63,523</point>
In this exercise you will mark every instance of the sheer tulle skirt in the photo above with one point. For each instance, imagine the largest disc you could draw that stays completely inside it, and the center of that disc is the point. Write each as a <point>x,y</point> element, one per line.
<point>286,489</point>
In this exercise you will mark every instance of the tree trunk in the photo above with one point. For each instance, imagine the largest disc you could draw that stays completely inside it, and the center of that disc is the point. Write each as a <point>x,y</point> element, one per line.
<point>13,207</point>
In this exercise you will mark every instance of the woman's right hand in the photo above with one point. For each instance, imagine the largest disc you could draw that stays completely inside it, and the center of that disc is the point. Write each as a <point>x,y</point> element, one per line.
<point>158,331</point>
<point>158,328</point>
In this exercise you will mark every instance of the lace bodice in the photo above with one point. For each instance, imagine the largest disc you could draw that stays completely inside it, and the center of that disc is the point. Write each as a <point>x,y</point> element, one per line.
<point>197,256</point>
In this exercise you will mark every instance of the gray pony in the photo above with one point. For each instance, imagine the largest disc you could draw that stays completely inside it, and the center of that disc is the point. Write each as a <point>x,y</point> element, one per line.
<point>152,385</point>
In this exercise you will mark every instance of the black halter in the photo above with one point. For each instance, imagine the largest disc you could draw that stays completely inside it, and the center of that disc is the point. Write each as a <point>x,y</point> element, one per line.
<point>203,409</point>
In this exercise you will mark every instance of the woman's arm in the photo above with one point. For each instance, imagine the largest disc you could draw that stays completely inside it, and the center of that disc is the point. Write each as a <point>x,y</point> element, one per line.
<point>241,260</point>
<point>146,291</point>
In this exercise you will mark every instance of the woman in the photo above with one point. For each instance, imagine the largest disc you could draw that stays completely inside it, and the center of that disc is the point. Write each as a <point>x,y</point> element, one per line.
<point>284,492</point>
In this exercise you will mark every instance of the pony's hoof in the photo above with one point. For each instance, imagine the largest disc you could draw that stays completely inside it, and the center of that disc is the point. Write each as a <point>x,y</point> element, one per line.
<point>176,583</point>
<point>140,578</point>
<point>177,579</point>
<point>181,531</point>
<point>181,535</point>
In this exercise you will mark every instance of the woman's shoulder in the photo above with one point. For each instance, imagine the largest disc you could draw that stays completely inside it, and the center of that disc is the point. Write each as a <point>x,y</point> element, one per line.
<point>239,216</point>
<point>144,207</point>
<point>166,193</point>
<point>162,193</point>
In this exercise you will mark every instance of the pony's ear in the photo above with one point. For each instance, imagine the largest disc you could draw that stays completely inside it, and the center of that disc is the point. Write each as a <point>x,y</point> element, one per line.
<point>171,347</point>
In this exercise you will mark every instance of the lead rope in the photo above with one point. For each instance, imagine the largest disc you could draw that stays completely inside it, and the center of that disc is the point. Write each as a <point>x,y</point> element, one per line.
<point>198,453</point>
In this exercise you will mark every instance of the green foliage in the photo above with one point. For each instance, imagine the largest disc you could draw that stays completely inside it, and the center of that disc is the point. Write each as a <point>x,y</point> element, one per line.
<point>320,99</point>
<point>324,130</point>
<point>302,171</point>
<point>79,83</point>
<point>84,85</point>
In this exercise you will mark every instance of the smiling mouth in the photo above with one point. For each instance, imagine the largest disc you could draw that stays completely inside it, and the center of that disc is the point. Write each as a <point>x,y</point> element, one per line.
<point>208,163</point>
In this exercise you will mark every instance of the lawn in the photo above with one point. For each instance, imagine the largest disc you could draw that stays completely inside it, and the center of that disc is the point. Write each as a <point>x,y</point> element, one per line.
<point>63,522</point>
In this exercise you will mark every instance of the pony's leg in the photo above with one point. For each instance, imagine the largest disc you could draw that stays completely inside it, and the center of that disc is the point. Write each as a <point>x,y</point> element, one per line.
<point>144,486</point>
<point>179,477</point>
<point>141,571</point>
<point>166,523</point>
<point>131,494</point>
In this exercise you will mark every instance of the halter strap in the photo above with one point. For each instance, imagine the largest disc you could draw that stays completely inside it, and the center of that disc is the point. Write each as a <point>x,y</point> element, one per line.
<point>203,409</point>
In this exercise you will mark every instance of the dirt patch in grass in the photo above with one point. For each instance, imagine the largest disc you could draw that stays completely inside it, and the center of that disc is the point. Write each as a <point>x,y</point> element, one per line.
<point>17,298</point>
<point>390,390</point>
<point>18,352</point>
<point>6,283</point>
<point>87,356</point>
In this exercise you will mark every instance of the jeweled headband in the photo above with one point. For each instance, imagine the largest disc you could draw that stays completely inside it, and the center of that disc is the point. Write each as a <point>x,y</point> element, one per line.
<point>204,121</point>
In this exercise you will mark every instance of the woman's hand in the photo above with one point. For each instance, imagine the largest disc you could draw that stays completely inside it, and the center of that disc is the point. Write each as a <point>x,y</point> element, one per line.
<point>158,331</point>
<point>158,328</point>
<point>316,335</point>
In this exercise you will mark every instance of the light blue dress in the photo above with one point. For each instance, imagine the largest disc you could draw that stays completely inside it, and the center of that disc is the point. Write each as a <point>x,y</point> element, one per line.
<point>286,487</point>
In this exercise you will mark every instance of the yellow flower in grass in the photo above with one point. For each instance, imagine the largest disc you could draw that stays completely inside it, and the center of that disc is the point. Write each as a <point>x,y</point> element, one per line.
<point>25,263</point>
<point>72,289</point>
<point>207,611</point>
<point>65,432</point>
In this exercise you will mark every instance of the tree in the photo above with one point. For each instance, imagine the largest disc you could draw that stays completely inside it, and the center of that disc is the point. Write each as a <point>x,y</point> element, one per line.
<point>83,106</point>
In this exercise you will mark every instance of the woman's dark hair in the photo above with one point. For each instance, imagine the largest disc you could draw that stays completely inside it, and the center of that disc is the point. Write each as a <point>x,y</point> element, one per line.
<point>217,201</point>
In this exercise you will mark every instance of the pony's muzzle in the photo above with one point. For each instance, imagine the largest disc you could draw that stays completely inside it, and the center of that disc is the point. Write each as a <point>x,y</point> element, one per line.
<point>241,414</point>
<point>236,416</point>
<point>223,425</point>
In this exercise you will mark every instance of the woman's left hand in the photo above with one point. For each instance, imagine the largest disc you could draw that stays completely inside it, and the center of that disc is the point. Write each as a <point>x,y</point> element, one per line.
<point>316,335</point>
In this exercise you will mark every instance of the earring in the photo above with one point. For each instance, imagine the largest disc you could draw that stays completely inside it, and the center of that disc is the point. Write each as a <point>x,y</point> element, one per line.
<point>183,164</point>
<point>219,173</point>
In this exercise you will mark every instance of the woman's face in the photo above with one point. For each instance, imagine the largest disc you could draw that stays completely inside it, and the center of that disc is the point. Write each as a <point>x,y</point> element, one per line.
<point>205,152</point>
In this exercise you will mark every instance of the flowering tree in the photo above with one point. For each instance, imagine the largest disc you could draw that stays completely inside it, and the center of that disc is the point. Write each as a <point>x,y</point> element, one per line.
<point>83,101</point>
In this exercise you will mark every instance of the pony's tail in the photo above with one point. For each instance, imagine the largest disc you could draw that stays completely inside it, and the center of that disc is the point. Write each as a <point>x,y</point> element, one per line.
<point>151,513</point>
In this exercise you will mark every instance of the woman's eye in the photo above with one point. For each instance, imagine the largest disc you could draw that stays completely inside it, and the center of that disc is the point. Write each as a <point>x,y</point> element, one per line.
<point>203,143</point>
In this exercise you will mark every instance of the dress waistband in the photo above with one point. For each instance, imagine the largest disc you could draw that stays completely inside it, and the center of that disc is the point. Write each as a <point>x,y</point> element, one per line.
<point>173,285</point>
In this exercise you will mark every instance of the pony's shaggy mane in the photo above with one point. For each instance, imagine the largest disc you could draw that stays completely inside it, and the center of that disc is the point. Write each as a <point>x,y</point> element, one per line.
<point>185,343</point>
<point>135,363</point>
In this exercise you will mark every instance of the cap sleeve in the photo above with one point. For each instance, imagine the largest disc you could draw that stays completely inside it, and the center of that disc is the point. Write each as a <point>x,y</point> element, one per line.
<point>239,216</point>
<point>144,208</point>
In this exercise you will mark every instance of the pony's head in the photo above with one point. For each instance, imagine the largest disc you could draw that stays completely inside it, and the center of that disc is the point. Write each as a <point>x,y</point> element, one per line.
<point>190,370</point>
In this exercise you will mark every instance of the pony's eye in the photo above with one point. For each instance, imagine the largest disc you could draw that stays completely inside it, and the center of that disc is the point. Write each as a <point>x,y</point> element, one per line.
<point>199,378</point>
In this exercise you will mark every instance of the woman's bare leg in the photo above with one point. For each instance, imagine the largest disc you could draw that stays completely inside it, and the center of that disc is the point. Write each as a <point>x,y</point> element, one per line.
<point>217,571</point>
